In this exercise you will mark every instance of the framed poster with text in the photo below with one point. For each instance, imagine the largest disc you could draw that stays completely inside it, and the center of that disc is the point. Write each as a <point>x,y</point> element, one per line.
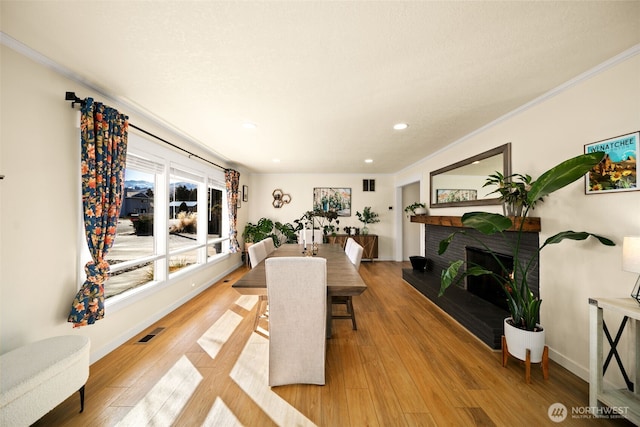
<point>618,171</point>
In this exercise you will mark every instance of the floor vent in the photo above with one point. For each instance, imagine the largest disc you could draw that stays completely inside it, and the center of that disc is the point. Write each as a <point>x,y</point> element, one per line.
<point>150,335</point>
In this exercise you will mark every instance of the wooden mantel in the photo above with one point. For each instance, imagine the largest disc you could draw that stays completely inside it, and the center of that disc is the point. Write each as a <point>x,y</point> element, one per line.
<point>530,224</point>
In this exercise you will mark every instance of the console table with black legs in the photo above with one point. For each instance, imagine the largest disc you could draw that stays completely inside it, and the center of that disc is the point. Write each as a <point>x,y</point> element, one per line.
<point>621,402</point>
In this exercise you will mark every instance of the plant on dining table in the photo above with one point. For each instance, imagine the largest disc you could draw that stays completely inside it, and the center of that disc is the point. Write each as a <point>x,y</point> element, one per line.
<point>524,306</point>
<point>327,221</point>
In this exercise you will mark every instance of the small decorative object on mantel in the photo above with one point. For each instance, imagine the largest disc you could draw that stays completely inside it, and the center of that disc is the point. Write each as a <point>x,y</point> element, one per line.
<point>631,261</point>
<point>523,304</point>
<point>279,198</point>
<point>416,208</point>
<point>367,217</point>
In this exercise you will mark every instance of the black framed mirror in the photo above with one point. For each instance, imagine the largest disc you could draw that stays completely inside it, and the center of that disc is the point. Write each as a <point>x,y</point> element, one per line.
<point>460,184</point>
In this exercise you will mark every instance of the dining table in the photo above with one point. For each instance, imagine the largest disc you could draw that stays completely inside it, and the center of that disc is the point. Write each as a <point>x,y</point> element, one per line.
<point>343,279</point>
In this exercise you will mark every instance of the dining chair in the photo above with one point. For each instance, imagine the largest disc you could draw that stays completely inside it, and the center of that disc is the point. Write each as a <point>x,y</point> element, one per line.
<point>257,253</point>
<point>348,244</point>
<point>297,290</point>
<point>355,256</point>
<point>269,245</point>
<point>316,237</point>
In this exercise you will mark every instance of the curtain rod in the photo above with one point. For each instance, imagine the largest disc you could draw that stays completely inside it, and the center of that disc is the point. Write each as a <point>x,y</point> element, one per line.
<point>71,96</point>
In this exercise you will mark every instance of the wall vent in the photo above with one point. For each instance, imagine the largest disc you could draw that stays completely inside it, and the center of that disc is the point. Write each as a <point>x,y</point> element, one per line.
<point>368,185</point>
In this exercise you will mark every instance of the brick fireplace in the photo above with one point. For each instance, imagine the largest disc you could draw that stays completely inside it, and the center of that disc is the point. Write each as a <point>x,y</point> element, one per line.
<point>481,317</point>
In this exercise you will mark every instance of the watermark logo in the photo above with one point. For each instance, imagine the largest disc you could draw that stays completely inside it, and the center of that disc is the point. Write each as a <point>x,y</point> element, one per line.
<point>557,412</point>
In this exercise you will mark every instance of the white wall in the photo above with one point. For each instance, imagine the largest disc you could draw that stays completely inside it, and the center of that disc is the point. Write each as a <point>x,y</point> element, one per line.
<point>411,236</point>
<point>300,188</point>
<point>40,216</point>
<point>599,107</point>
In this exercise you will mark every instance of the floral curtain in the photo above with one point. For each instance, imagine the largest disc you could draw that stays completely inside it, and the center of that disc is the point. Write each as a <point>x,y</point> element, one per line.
<point>232,180</point>
<point>104,146</point>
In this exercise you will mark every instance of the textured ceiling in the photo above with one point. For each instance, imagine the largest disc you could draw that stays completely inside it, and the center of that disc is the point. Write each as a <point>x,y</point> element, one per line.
<point>324,81</point>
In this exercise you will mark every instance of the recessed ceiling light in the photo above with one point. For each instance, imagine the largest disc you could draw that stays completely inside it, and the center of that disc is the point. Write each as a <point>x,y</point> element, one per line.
<point>476,162</point>
<point>368,161</point>
<point>400,126</point>
<point>249,125</point>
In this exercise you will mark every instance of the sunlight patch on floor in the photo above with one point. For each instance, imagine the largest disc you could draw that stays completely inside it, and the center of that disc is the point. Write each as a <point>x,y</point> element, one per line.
<point>218,334</point>
<point>221,415</point>
<point>247,301</point>
<point>164,402</point>
<point>251,373</point>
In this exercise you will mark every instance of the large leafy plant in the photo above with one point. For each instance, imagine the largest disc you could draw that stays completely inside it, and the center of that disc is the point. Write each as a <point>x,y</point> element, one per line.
<point>524,306</point>
<point>279,232</point>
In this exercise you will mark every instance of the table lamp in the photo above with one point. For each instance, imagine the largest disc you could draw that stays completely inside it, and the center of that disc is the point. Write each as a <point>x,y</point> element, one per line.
<point>631,261</point>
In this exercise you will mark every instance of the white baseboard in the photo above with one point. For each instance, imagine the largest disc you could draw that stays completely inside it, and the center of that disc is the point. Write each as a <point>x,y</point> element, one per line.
<point>570,365</point>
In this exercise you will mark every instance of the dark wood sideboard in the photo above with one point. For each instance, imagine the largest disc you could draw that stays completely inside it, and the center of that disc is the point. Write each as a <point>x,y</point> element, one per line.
<point>368,241</point>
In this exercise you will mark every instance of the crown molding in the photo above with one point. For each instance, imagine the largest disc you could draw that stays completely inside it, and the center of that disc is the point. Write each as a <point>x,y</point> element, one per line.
<point>618,59</point>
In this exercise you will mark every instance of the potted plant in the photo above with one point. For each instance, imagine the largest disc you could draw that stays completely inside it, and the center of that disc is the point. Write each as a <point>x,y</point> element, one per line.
<point>524,306</point>
<point>279,232</point>
<point>253,233</point>
<point>416,208</point>
<point>367,217</point>
<point>513,190</point>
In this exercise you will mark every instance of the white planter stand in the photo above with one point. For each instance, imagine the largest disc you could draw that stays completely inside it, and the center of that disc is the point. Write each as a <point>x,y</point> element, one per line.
<point>527,346</point>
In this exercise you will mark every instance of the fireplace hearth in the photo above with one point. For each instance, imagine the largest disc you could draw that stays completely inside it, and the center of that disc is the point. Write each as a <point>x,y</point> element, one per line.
<point>481,317</point>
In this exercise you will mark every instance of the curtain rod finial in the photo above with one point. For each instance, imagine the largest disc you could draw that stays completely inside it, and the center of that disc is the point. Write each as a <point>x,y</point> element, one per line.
<point>71,96</point>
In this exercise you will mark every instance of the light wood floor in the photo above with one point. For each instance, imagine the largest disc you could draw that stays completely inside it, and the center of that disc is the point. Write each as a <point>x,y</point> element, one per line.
<point>408,364</point>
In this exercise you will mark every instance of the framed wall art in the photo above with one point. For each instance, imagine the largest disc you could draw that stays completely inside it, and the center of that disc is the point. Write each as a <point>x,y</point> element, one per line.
<point>450,196</point>
<point>332,199</point>
<point>618,171</point>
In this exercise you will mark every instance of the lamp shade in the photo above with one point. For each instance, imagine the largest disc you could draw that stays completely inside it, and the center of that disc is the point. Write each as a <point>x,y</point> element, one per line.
<point>631,254</point>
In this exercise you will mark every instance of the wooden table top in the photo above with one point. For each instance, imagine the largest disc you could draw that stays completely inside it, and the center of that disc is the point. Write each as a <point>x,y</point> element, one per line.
<point>342,277</point>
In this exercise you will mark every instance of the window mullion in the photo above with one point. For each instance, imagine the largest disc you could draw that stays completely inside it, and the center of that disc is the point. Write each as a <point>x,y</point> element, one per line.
<point>161,225</point>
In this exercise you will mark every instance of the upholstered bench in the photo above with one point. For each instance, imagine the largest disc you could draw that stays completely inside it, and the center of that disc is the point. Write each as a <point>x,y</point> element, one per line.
<point>37,377</point>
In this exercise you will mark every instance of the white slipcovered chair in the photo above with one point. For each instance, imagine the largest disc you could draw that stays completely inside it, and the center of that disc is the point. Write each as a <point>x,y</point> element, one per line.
<point>316,237</point>
<point>257,253</point>
<point>269,245</point>
<point>348,244</point>
<point>297,289</point>
<point>355,256</point>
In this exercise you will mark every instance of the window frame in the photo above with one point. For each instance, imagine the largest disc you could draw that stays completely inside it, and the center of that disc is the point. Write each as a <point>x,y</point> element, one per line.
<point>209,176</point>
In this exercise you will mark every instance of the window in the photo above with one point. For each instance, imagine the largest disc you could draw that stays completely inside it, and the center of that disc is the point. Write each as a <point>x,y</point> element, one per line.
<point>173,218</point>
<point>183,219</point>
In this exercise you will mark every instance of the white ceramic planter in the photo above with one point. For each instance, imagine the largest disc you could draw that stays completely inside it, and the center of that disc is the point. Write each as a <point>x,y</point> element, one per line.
<point>519,340</point>
<point>420,211</point>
